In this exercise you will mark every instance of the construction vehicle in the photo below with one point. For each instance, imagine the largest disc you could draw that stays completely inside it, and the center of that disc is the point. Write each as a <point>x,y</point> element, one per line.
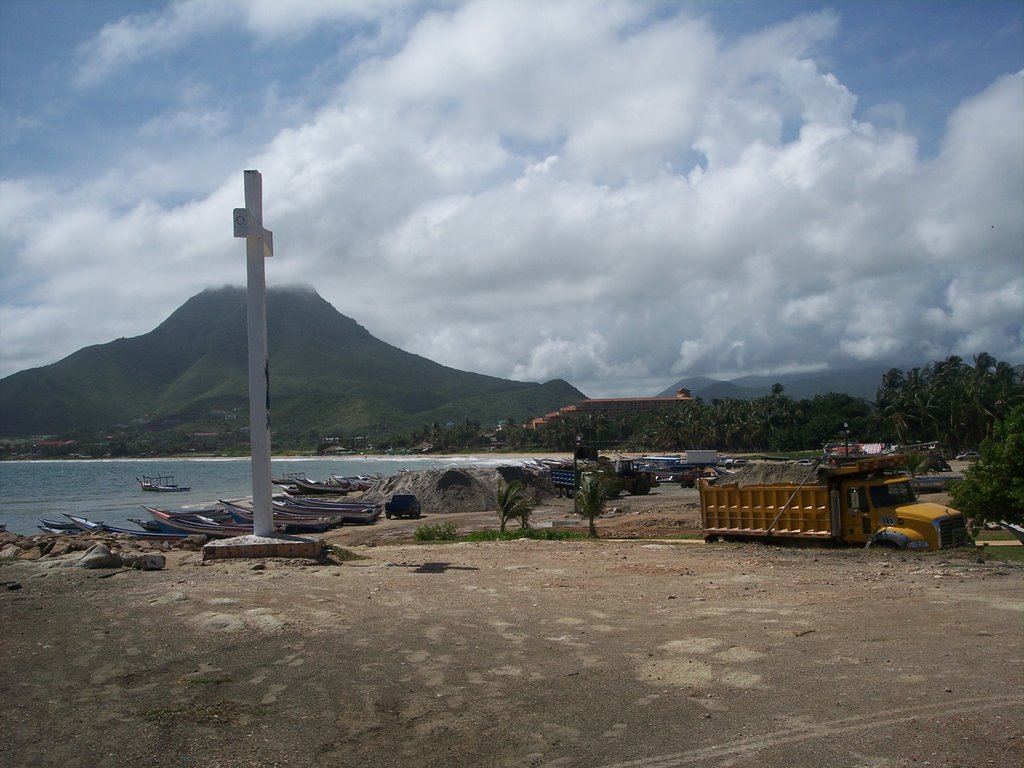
<point>623,477</point>
<point>865,501</point>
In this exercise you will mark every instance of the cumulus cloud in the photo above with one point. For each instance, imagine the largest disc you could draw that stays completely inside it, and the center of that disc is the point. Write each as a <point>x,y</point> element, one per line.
<point>120,45</point>
<point>582,190</point>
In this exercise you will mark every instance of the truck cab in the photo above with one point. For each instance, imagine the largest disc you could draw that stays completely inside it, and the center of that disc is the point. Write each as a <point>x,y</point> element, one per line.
<point>869,505</point>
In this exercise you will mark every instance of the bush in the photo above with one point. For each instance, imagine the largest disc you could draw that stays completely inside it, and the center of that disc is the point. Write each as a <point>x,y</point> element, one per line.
<point>439,532</point>
<point>543,534</point>
<point>993,486</point>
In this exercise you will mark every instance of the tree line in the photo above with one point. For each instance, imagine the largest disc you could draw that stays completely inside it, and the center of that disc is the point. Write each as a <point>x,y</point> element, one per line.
<point>950,401</point>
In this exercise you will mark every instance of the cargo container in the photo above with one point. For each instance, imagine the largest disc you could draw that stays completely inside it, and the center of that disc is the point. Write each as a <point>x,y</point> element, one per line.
<point>701,458</point>
<point>868,501</point>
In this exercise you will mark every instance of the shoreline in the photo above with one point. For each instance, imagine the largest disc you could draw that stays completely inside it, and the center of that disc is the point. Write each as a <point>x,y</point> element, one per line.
<point>489,457</point>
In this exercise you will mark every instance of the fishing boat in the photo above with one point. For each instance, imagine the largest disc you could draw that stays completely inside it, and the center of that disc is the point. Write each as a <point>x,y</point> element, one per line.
<point>86,525</point>
<point>358,482</point>
<point>333,485</point>
<point>352,512</point>
<point>58,531</point>
<point>58,526</point>
<point>161,483</point>
<point>200,524</point>
<point>292,523</point>
<point>347,512</point>
<point>288,480</point>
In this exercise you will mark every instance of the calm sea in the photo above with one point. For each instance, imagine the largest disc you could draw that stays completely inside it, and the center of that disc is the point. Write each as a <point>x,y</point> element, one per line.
<point>107,490</point>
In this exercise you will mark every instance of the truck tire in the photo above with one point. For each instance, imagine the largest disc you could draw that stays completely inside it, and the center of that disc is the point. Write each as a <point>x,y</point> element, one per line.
<point>641,487</point>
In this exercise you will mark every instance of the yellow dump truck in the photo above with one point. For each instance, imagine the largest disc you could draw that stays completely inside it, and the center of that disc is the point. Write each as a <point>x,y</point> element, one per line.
<point>868,500</point>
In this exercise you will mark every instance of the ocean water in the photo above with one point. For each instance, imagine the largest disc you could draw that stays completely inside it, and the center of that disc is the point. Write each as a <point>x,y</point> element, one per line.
<point>107,490</point>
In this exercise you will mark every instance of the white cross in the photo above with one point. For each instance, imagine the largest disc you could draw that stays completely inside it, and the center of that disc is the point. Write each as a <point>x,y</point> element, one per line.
<point>259,244</point>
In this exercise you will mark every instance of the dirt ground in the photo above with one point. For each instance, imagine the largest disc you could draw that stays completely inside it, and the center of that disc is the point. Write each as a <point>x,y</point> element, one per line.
<point>617,653</point>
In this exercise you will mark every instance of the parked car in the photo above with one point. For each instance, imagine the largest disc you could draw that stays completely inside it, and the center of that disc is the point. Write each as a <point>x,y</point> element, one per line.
<point>806,462</point>
<point>968,456</point>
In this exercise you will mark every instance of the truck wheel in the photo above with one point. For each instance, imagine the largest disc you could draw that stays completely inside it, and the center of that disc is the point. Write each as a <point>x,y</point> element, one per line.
<point>710,538</point>
<point>641,487</point>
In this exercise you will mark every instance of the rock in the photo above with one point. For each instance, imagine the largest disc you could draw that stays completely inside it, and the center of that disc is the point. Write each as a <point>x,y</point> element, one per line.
<point>60,547</point>
<point>10,552</point>
<point>32,553</point>
<point>143,561</point>
<point>99,556</point>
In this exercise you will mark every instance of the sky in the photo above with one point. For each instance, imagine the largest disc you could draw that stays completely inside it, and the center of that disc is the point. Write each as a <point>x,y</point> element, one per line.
<point>618,194</point>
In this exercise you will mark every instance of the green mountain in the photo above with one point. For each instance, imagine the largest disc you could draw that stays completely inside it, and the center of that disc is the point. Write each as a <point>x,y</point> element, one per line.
<point>327,373</point>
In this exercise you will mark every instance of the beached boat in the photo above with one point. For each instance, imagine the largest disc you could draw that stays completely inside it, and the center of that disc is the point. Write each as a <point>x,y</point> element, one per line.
<point>58,531</point>
<point>352,512</point>
<point>292,523</point>
<point>161,483</point>
<point>287,481</point>
<point>84,524</point>
<point>199,524</point>
<point>347,512</point>
<point>332,485</point>
<point>217,514</point>
<point>358,482</point>
<point>58,526</point>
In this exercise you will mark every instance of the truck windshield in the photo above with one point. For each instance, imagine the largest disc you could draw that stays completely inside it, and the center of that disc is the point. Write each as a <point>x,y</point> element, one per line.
<point>891,494</point>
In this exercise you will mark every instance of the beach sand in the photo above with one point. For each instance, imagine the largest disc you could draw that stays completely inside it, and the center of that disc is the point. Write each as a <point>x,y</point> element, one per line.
<point>601,654</point>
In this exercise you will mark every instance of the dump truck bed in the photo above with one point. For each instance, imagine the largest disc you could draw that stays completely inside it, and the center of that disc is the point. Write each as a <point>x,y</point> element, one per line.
<point>755,511</point>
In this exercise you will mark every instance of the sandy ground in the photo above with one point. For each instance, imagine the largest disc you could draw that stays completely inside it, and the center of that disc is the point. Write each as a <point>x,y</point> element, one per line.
<point>606,654</point>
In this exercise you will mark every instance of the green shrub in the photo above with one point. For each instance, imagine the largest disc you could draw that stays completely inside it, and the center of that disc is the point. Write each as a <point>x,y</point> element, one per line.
<point>439,532</point>
<point>543,534</point>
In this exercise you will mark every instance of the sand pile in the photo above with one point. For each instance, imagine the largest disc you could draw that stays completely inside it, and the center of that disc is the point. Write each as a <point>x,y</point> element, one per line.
<point>771,472</point>
<point>463,489</point>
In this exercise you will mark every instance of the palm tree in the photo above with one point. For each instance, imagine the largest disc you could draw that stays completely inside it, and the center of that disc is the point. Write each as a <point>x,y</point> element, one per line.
<point>918,464</point>
<point>511,504</point>
<point>591,498</point>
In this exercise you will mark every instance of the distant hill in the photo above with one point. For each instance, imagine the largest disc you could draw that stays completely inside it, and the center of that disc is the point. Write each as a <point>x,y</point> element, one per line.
<point>327,373</point>
<point>862,383</point>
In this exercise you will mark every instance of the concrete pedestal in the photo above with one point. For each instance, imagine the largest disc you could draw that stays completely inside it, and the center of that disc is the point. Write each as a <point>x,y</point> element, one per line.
<point>263,546</point>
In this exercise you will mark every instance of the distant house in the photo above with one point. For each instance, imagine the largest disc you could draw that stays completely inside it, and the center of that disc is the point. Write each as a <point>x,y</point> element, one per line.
<point>614,406</point>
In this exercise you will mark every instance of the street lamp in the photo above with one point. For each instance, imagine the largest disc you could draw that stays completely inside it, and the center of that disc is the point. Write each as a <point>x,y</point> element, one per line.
<point>576,475</point>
